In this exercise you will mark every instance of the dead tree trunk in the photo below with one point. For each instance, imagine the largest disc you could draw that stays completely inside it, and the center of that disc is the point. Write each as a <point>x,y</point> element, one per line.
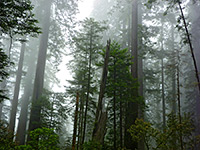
<point>101,116</point>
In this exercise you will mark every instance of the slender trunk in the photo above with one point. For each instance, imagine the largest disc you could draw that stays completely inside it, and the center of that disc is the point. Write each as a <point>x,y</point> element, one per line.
<point>81,128</point>
<point>132,109</point>
<point>141,145</point>
<point>121,120</point>
<point>16,90</point>
<point>80,123</point>
<point>88,87</point>
<point>179,105</point>
<point>162,82</point>
<point>114,107</point>
<point>10,47</point>
<point>75,122</point>
<point>195,22</point>
<point>173,74</point>
<point>129,30</point>
<point>39,77</point>
<point>190,44</point>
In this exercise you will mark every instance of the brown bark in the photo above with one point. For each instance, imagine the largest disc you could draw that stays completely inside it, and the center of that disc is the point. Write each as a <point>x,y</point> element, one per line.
<point>39,77</point>
<point>101,117</point>
<point>132,108</point>
<point>75,122</point>
<point>22,124</point>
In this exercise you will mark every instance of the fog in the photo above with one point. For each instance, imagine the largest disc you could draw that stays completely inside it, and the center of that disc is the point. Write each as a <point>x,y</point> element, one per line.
<point>100,74</point>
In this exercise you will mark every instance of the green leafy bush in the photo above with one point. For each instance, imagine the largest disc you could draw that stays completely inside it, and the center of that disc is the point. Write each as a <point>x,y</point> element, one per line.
<point>6,137</point>
<point>92,145</point>
<point>175,134</point>
<point>44,139</point>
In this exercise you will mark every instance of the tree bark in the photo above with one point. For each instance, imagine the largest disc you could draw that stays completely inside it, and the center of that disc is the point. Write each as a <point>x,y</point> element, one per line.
<point>88,87</point>
<point>173,74</point>
<point>22,124</point>
<point>101,117</point>
<point>16,90</point>
<point>39,77</point>
<point>75,122</point>
<point>162,79</point>
<point>114,107</point>
<point>132,108</point>
<point>179,104</point>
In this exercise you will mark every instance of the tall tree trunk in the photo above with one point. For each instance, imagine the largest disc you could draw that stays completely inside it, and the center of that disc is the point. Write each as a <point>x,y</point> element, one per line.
<point>195,18</point>
<point>16,90</point>
<point>132,108</point>
<point>179,104</point>
<point>80,124</point>
<point>190,44</point>
<point>173,73</point>
<point>140,73</point>
<point>114,107</point>
<point>88,86</point>
<point>75,122</point>
<point>121,121</point>
<point>101,116</point>
<point>39,77</point>
<point>22,124</point>
<point>162,79</point>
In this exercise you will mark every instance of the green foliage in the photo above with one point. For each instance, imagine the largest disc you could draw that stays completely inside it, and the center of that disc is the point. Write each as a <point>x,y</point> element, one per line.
<point>17,17</point>
<point>53,110</point>
<point>4,63</point>
<point>92,145</point>
<point>41,139</point>
<point>44,139</point>
<point>86,47</point>
<point>6,137</point>
<point>167,139</point>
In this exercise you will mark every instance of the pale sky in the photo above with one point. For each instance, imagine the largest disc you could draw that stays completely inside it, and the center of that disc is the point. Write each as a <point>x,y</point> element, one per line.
<point>85,8</point>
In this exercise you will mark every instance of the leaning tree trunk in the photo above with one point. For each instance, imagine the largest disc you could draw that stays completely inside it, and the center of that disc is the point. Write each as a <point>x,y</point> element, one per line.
<point>190,45</point>
<point>39,77</point>
<point>132,108</point>
<point>195,17</point>
<point>16,90</point>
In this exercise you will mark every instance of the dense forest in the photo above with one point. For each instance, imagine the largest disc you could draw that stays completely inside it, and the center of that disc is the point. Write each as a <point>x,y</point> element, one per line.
<point>132,71</point>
